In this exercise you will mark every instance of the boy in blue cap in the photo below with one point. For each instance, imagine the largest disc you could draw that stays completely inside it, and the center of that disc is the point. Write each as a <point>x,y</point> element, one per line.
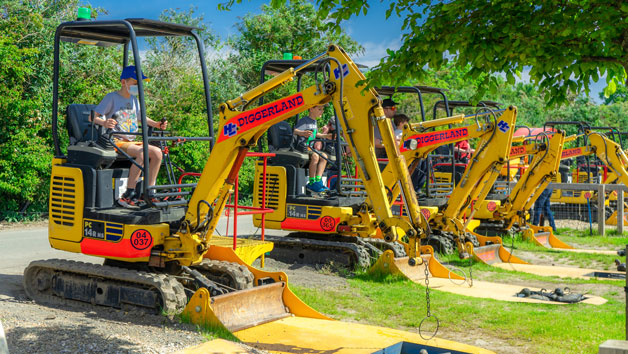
<point>119,111</point>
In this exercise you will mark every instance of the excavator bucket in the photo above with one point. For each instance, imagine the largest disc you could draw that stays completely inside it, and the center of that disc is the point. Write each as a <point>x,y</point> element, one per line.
<point>387,263</point>
<point>612,220</point>
<point>271,317</point>
<point>491,251</point>
<point>544,236</point>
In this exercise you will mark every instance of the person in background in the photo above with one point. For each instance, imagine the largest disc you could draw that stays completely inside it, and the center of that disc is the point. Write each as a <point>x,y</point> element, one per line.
<point>305,130</point>
<point>399,120</point>
<point>119,110</point>
<point>463,151</point>
<point>542,206</point>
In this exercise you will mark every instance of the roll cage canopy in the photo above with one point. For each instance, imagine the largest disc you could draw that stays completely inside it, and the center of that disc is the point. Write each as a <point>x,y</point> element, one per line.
<point>110,33</point>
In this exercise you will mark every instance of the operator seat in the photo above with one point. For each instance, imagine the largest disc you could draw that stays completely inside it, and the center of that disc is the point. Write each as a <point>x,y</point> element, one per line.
<point>280,137</point>
<point>83,148</point>
<point>78,123</point>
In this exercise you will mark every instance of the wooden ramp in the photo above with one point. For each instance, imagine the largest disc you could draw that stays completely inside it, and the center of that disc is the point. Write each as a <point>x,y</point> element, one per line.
<point>561,272</point>
<point>499,291</point>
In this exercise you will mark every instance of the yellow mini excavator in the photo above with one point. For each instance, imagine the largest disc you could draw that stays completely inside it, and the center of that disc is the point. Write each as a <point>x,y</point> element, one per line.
<point>513,212</point>
<point>609,155</point>
<point>338,226</point>
<point>494,130</point>
<point>158,256</point>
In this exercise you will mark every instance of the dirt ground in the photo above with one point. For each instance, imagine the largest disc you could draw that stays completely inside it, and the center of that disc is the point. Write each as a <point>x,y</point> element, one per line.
<point>33,328</point>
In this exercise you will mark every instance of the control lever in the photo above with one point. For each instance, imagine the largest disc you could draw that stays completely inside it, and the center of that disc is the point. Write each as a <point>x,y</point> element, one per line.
<point>104,140</point>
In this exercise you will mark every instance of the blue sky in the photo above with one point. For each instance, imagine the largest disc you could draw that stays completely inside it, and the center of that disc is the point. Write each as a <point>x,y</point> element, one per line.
<point>373,31</point>
<point>375,38</point>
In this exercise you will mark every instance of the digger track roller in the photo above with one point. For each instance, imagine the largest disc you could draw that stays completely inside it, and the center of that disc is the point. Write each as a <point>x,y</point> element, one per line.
<point>65,282</point>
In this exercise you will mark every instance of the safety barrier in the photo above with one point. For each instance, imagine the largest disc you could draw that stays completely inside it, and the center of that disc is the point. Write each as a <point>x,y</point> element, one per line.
<point>589,205</point>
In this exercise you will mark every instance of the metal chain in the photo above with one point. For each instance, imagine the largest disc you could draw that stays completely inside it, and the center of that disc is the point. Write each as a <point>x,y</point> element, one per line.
<point>429,313</point>
<point>471,269</point>
<point>427,290</point>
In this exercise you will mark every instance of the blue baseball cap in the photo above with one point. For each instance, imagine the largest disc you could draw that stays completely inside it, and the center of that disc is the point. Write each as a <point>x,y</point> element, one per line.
<point>130,73</point>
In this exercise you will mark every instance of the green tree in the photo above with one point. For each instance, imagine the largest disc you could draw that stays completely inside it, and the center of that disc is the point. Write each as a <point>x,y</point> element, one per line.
<point>566,44</point>
<point>26,95</point>
<point>620,95</point>
<point>293,27</point>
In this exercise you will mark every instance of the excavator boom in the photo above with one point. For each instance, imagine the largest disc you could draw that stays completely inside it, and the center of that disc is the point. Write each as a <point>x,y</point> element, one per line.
<point>240,129</point>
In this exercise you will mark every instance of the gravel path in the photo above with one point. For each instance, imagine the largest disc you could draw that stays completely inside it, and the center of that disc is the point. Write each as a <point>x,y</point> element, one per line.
<point>33,328</point>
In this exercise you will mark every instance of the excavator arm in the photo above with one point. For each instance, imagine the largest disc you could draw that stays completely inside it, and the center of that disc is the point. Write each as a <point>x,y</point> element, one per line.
<point>483,169</point>
<point>610,152</point>
<point>240,128</point>
<point>544,166</point>
<point>418,143</point>
<point>495,134</point>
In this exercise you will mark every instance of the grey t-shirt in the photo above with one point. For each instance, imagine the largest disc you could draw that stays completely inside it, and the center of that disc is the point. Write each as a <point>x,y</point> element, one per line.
<point>127,109</point>
<point>304,123</point>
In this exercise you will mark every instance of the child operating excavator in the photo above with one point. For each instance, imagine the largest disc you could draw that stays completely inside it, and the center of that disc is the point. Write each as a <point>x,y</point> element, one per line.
<point>305,130</point>
<point>119,111</point>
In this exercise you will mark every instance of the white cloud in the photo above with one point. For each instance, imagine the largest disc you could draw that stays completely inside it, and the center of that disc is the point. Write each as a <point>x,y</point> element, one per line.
<point>374,52</point>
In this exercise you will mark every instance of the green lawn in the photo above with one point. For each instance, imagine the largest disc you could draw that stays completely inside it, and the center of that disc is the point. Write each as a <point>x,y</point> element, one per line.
<point>575,328</point>
<point>529,328</point>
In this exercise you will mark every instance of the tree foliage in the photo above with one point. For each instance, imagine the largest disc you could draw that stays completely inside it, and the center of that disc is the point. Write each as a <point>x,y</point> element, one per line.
<point>564,44</point>
<point>26,95</point>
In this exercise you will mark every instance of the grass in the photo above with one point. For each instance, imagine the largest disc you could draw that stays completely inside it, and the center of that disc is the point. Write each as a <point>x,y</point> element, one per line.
<point>580,237</point>
<point>541,328</point>
<point>582,260</point>
<point>389,301</point>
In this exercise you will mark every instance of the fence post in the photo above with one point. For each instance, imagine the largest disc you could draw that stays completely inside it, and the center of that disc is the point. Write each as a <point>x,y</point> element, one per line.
<point>601,215</point>
<point>620,211</point>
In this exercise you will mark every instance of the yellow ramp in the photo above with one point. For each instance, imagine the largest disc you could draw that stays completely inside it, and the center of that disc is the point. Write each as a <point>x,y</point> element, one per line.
<point>271,317</point>
<point>247,249</point>
<point>561,272</point>
<point>499,291</point>
<point>306,335</point>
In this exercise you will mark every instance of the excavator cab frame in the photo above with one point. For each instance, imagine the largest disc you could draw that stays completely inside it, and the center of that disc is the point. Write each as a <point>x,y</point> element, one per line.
<point>112,33</point>
<point>433,187</point>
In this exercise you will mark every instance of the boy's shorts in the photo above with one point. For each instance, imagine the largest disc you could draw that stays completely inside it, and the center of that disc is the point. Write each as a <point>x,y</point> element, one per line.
<point>124,145</point>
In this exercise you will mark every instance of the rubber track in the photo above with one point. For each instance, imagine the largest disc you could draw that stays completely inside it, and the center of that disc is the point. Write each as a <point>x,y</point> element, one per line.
<point>397,248</point>
<point>172,292</point>
<point>360,254</point>
<point>240,276</point>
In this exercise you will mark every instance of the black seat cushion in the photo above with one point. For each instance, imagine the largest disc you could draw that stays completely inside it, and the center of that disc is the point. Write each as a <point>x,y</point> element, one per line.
<point>280,138</point>
<point>78,123</point>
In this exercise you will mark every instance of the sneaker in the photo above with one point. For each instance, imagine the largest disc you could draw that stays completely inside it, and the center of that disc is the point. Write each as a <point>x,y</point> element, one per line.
<point>128,200</point>
<point>322,186</point>
<point>150,197</point>
<point>315,187</point>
